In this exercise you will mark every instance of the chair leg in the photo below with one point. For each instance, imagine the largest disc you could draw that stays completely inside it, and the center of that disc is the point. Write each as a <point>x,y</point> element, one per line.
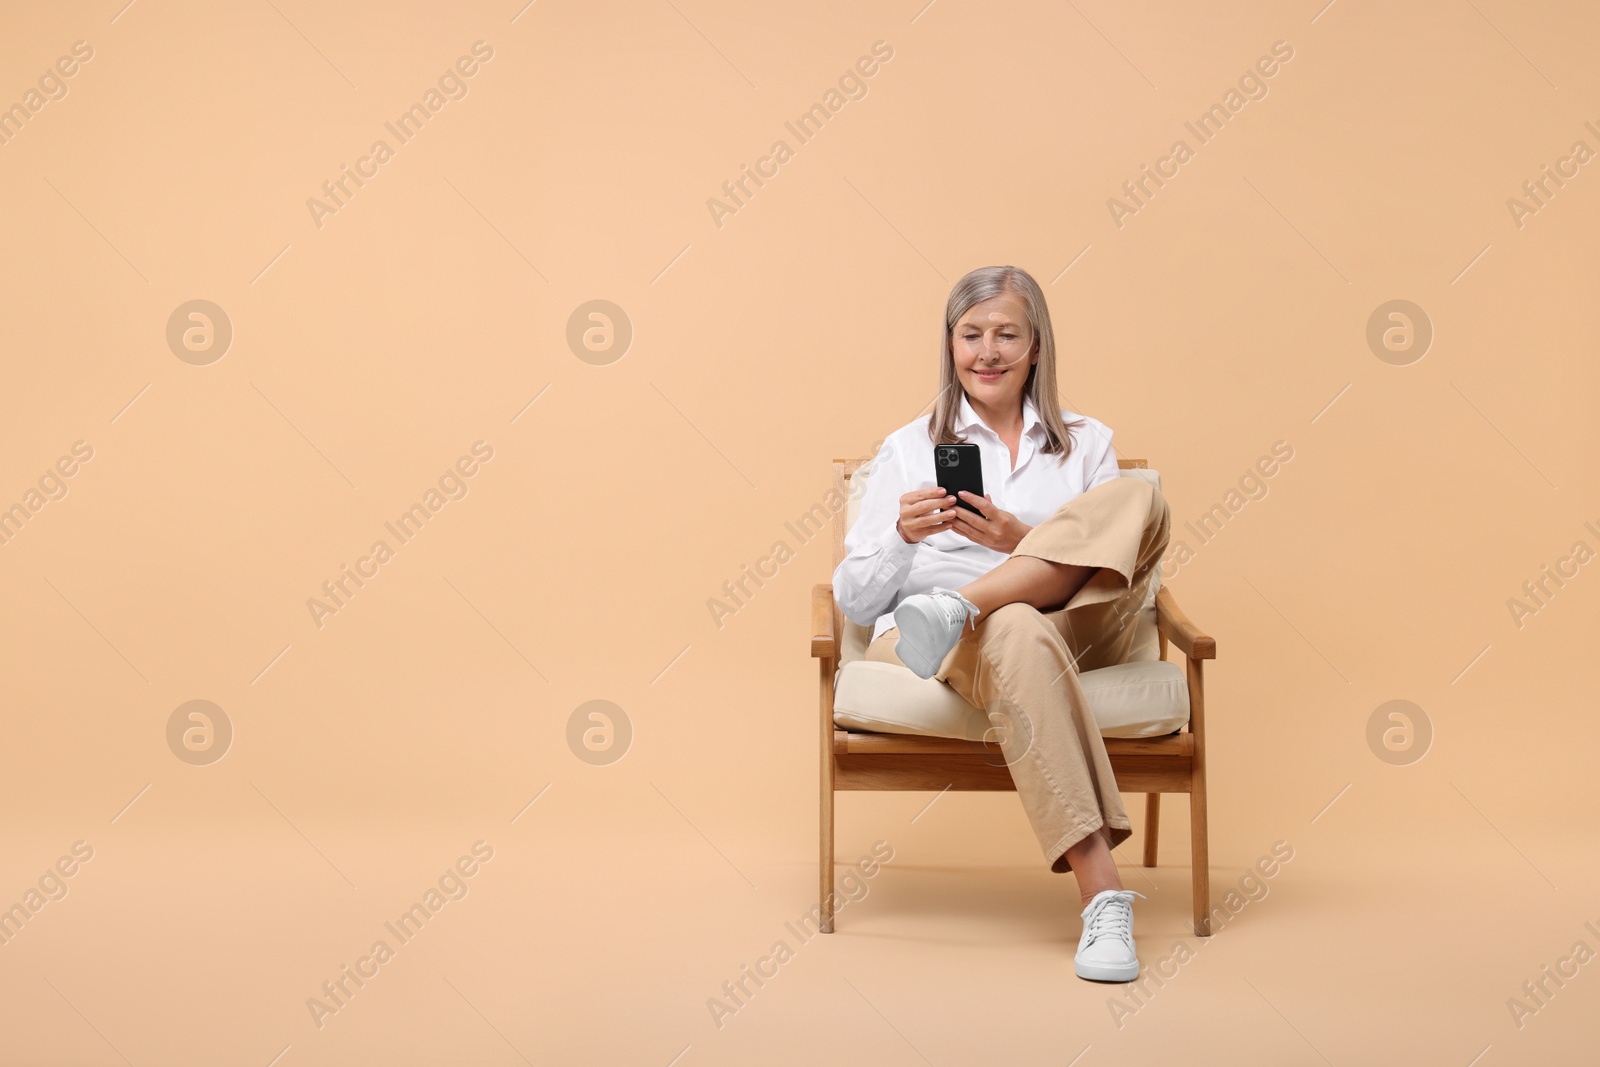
<point>1152,827</point>
<point>825,860</point>
<point>825,829</point>
<point>1200,859</point>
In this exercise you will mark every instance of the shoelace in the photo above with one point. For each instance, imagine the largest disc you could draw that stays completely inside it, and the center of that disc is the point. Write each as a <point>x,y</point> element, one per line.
<point>957,607</point>
<point>1108,921</point>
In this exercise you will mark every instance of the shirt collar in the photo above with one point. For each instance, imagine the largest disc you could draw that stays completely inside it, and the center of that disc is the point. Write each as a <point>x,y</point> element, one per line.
<point>966,417</point>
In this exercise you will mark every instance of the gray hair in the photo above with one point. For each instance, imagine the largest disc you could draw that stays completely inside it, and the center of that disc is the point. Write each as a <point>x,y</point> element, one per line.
<point>976,287</point>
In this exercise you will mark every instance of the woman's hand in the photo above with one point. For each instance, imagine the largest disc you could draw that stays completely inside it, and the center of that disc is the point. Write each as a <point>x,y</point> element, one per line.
<point>996,528</point>
<point>917,514</point>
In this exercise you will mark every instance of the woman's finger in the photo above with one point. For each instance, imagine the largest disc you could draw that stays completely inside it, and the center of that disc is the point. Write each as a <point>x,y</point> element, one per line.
<point>968,517</point>
<point>982,503</point>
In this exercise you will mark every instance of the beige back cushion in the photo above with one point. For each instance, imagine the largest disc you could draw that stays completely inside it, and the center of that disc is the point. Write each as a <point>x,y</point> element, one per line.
<point>1146,642</point>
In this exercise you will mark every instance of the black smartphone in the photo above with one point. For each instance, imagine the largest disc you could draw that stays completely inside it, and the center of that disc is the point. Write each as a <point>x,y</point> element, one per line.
<point>959,467</point>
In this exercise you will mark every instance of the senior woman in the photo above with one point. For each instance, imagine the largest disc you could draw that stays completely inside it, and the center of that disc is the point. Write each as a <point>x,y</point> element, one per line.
<point>1006,606</point>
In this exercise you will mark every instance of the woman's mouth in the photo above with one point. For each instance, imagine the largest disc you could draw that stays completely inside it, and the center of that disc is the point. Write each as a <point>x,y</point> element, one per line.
<point>988,376</point>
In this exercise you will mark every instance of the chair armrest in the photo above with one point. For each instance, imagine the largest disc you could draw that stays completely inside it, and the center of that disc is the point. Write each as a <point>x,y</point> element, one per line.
<point>1176,627</point>
<point>824,643</point>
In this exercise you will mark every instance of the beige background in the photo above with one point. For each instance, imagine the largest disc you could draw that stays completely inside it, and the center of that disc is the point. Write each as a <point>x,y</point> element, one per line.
<point>368,354</point>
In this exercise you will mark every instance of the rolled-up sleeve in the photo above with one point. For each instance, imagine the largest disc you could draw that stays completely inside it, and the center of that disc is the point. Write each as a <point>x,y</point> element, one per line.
<point>877,559</point>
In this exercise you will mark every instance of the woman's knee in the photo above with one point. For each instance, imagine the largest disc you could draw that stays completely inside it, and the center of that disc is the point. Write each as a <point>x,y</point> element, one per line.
<point>1137,488</point>
<point>1146,498</point>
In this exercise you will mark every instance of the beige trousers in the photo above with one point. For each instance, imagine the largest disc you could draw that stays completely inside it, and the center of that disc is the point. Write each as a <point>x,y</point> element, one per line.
<point>1020,664</point>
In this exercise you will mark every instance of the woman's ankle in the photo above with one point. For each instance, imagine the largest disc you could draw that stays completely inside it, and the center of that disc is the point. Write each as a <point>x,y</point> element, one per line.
<point>1090,894</point>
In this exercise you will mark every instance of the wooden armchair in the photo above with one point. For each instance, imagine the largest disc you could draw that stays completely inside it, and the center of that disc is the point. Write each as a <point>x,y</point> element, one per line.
<point>853,760</point>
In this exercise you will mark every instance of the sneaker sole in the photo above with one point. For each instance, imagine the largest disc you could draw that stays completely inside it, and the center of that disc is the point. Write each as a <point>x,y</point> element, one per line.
<point>914,640</point>
<point>1107,972</point>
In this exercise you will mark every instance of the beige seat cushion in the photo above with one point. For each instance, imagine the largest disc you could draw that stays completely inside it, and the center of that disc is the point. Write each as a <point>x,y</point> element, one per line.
<point>1147,698</point>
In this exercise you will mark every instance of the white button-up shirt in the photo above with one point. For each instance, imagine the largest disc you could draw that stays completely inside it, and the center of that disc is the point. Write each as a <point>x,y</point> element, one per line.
<point>880,568</point>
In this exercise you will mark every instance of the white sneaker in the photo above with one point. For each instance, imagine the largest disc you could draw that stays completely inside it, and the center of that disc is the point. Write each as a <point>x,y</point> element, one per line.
<point>930,624</point>
<point>1105,951</point>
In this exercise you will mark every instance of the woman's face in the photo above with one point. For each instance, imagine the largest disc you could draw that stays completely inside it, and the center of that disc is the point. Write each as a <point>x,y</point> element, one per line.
<point>993,345</point>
